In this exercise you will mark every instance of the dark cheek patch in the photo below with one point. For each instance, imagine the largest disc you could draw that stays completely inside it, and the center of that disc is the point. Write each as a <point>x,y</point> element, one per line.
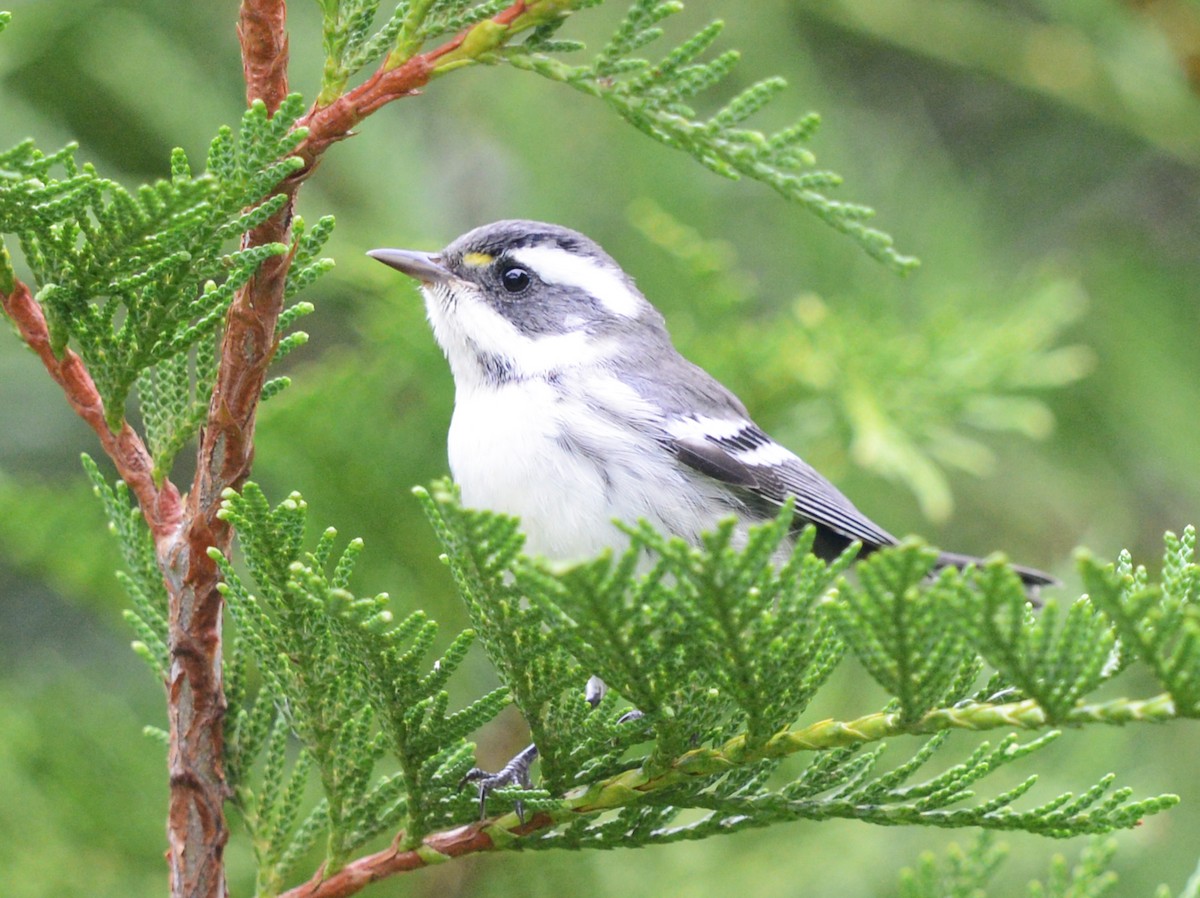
<point>496,369</point>
<point>546,308</point>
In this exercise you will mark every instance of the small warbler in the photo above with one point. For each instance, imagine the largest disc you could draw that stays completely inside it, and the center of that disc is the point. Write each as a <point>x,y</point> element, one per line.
<point>573,409</point>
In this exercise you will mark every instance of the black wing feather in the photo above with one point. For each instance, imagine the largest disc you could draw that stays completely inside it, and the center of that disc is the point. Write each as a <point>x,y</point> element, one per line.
<point>687,395</point>
<point>817,500</point>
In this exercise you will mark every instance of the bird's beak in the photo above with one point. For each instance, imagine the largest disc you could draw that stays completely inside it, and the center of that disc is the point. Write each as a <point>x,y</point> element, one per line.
<point>425,267</point>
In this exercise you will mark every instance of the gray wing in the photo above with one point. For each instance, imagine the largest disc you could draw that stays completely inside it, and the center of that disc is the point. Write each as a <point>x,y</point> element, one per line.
<point>738,453</point>
<point>708,429</point>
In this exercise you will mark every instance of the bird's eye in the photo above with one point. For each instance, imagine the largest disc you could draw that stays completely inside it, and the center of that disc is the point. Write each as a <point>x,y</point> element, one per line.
<point>515,279</point>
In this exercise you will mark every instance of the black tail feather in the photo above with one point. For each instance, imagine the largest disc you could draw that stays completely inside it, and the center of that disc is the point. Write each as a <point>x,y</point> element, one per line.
<point>1031,577</point>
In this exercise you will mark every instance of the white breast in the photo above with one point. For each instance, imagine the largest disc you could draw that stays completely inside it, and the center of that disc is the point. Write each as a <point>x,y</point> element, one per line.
<point>546,455</point>
<point>505,456</point>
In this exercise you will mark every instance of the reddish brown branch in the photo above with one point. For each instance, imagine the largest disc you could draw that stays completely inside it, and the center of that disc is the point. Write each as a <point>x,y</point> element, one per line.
<point>160,505</point>
<point>453,843</point>
<point>329,124</point>
<point>262,33</point>
<point>196,827</point>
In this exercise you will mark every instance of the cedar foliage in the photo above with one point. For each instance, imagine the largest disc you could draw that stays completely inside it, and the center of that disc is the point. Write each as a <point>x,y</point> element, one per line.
<point>718,646</point>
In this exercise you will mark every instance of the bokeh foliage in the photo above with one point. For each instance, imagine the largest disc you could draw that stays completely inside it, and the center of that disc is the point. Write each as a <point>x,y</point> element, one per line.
<point>1003,174</point>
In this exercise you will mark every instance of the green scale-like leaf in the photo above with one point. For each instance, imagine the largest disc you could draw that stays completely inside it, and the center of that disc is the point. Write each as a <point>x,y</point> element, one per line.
<point>653,98</point>
<point>139,281</point>
<point>699,640</point>
<point>546,682</point>
<point>1055,664</point>
<point>1158,623</point>
<point>350,684</point>
<point>141,578</point>
<point>898,627</point>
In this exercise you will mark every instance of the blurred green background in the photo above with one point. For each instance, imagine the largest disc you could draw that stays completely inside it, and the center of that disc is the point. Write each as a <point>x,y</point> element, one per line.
<point>1042,157</point>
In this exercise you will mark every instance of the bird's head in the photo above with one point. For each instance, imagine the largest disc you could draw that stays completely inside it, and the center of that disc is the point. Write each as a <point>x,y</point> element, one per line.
<point>519,299</point>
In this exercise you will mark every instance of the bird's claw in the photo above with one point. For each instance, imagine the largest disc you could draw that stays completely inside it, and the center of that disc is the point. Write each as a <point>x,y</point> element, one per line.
<point>517,771</point>
<point>514,773</point>
<point>1008,693</point>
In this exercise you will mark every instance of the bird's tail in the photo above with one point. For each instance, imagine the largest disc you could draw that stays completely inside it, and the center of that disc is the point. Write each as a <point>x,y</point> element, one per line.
<point>1031,577</point>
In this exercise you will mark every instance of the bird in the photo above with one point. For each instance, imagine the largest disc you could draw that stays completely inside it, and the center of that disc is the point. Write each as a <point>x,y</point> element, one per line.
<point>573,410</point>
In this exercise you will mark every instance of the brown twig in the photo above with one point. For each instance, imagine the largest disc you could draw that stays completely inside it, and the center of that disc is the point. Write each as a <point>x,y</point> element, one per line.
<point>196,826</point>
<point>262,33</point>
<point>329,124</point>
<point>160,504</point>
<point>196,829</point>
<point>196,703</point>
<point>435,848</point>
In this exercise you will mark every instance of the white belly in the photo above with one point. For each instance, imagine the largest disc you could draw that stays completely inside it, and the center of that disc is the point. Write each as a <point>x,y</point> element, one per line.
<point>508,454</point>
<point>505,456</point>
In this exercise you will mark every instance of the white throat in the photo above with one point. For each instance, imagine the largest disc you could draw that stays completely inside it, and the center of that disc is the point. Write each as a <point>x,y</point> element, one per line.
<point>477,340</point>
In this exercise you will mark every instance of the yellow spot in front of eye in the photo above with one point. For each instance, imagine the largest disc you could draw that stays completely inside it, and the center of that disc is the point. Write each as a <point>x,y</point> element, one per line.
<point>478,260</point>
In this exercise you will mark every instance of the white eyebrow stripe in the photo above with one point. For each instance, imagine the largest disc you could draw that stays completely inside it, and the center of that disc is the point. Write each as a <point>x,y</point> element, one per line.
<point>555,265</point>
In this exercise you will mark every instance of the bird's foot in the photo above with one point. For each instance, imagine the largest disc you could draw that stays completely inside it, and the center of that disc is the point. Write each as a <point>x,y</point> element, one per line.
<point>514,773</point>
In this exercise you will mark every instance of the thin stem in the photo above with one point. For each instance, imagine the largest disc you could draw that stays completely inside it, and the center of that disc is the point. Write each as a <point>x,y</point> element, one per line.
<point>331,123</point>
<point>628,788</point>
<point>160,504</point>
<point>262,33</point>
<point>196,825</point>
